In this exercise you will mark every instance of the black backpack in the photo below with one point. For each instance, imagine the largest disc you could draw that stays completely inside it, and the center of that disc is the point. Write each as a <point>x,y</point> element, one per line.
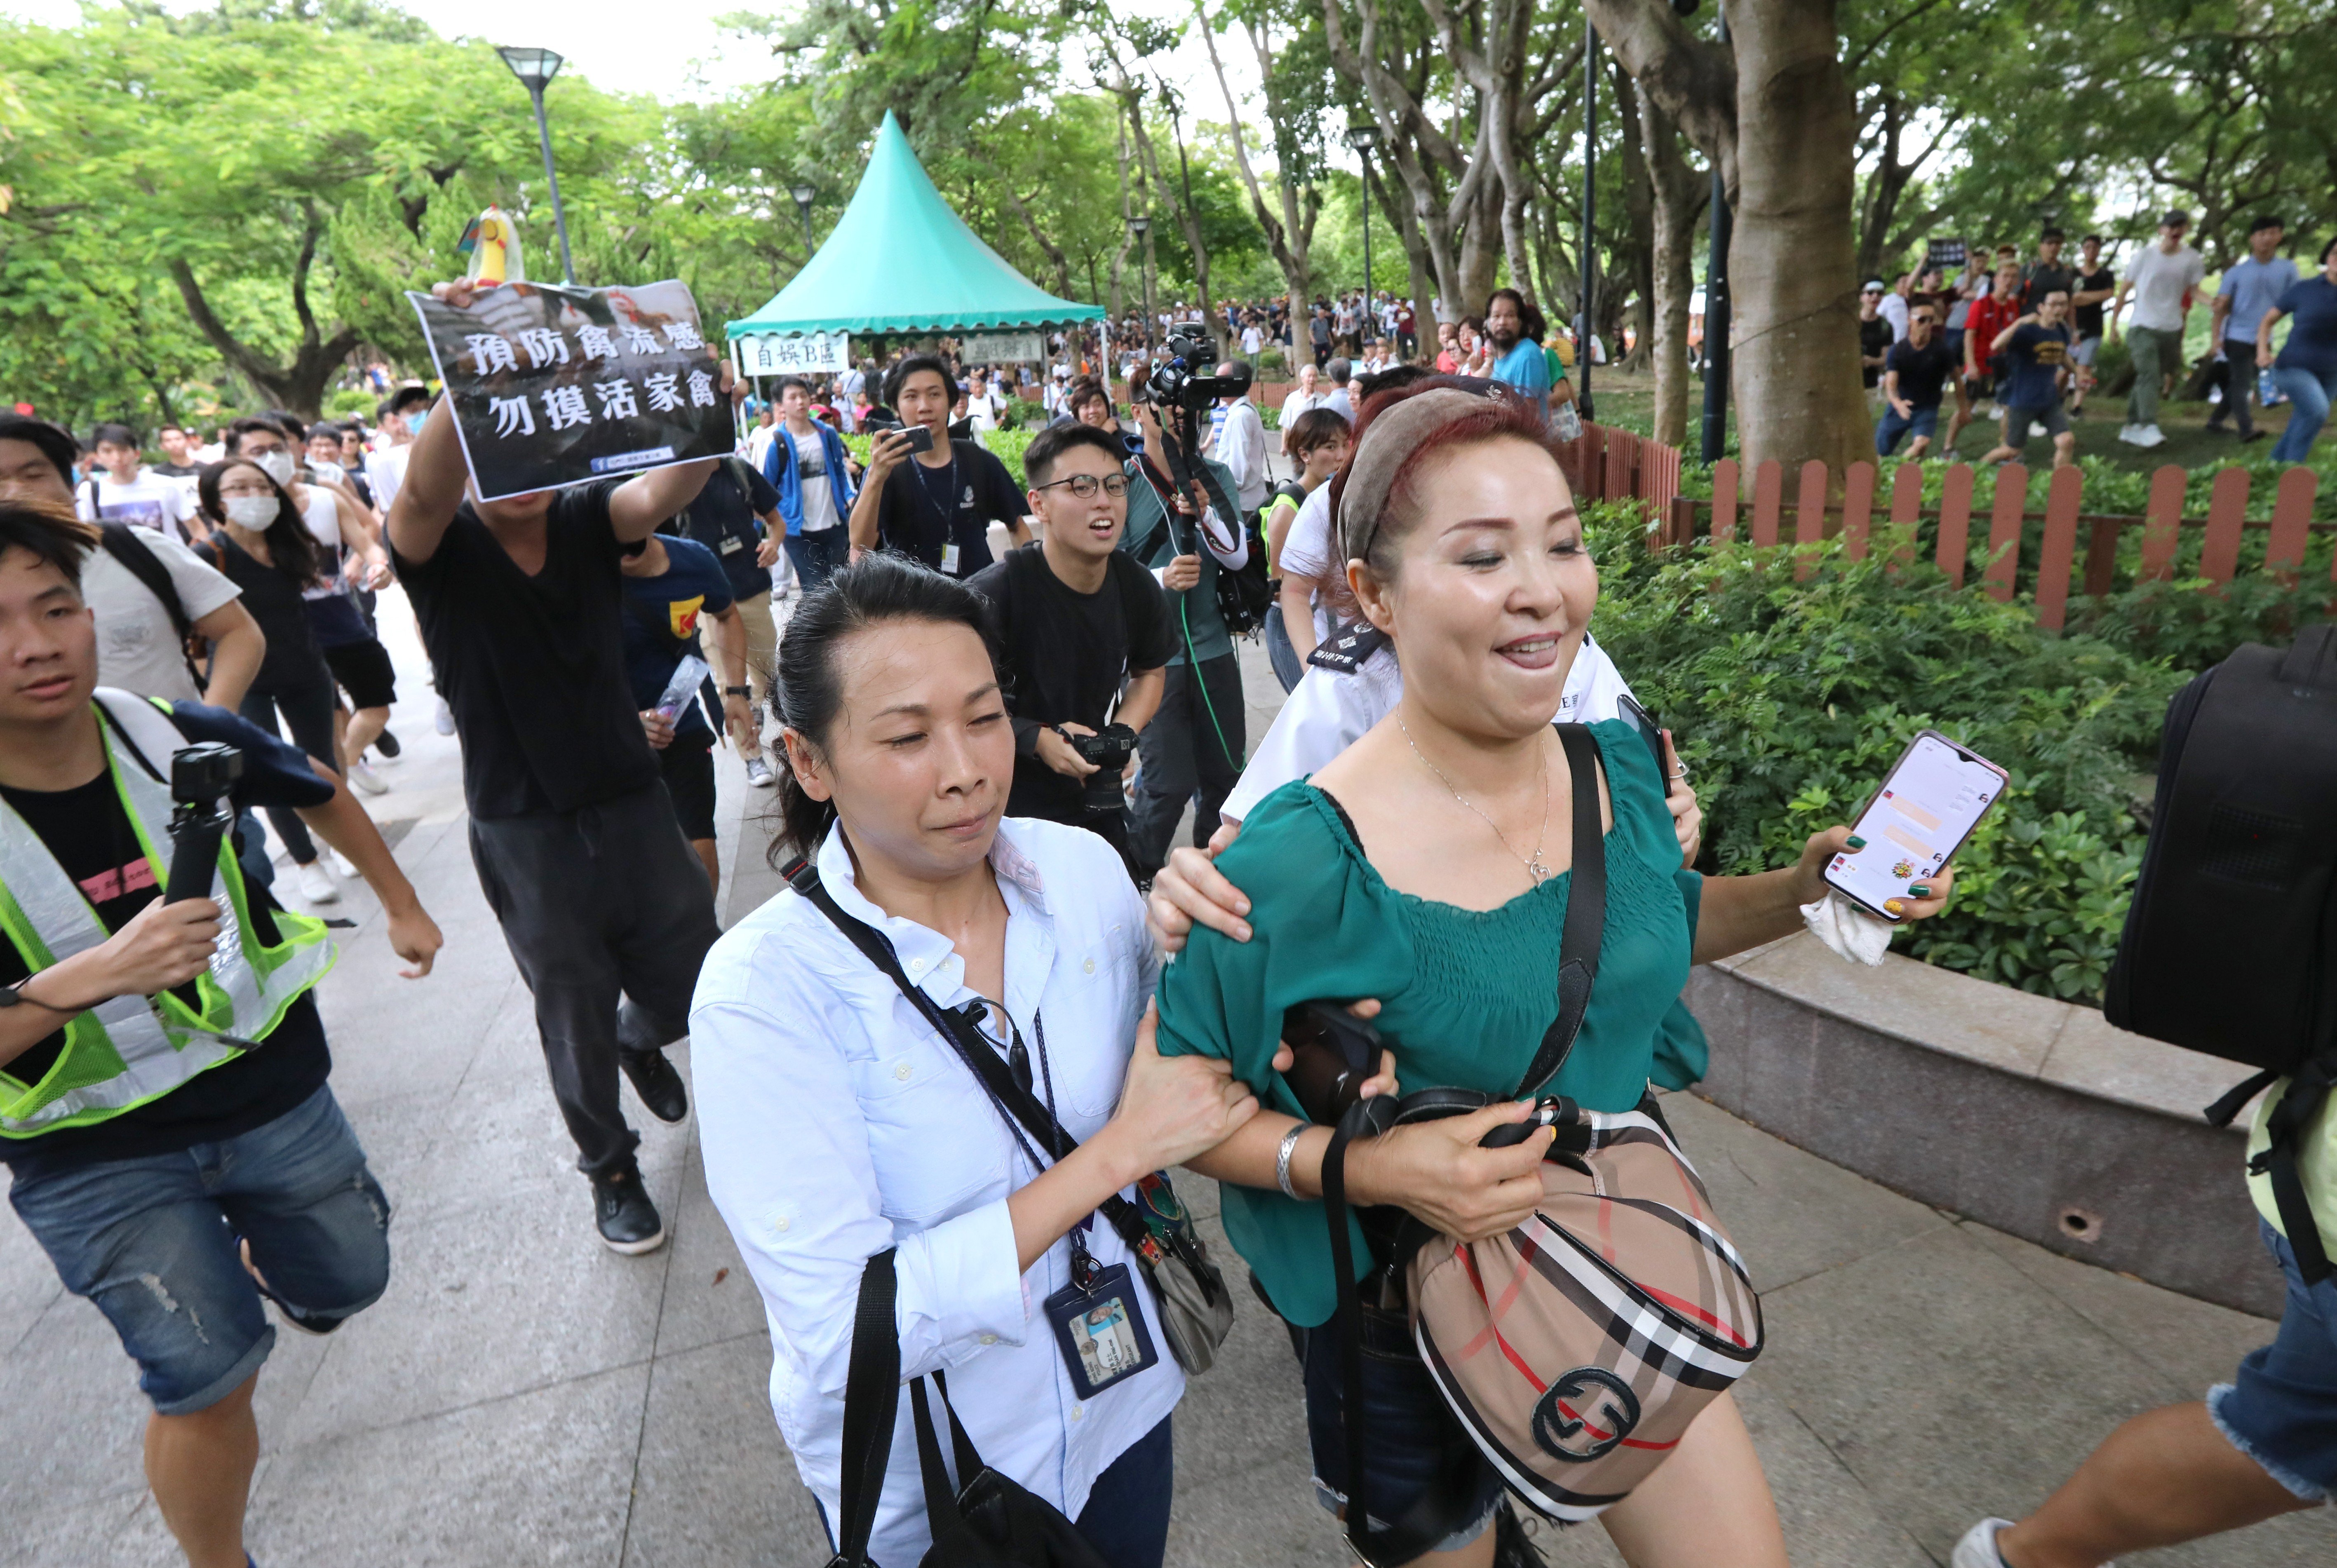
<point>2230,945</point>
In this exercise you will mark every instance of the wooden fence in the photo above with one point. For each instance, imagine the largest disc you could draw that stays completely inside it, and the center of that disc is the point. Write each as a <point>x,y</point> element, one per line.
<point>1853,516</point>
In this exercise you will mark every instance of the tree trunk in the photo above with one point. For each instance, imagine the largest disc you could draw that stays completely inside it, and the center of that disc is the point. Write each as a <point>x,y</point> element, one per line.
<point>1481,247</point>
<point>1635,259</point>
<point>1291,236</point>
<point>1778,117</point>
<point>1792,279</point>
<point>1680,191</point>
<point>1396,198</point>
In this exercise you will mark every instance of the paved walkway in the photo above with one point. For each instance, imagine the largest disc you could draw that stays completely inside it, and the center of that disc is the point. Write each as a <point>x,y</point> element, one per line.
<point>522,1395</point>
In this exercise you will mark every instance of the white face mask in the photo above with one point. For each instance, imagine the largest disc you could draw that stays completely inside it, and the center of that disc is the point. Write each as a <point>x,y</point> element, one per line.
<point>276,465</point>
<point>256,512</point>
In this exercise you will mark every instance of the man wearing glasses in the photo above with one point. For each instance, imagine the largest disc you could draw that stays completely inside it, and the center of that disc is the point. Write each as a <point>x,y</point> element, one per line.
<point>1076,616</point>
<point>2161,280</point>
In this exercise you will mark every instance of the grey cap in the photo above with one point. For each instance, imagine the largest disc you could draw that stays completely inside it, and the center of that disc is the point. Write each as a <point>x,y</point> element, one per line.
<point>2176,214</point>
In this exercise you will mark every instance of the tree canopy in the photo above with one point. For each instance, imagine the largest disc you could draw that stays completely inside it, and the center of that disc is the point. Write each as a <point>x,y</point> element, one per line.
<point>236,197</point>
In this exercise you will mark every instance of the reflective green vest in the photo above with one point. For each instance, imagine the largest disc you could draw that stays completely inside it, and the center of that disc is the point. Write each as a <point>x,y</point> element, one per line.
<point>128,1051</point>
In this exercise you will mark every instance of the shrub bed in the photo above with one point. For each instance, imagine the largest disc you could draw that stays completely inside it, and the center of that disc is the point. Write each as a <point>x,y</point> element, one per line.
<point>1791,699</point>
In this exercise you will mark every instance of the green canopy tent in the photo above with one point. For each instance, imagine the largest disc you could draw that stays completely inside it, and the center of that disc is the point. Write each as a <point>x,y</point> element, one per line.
<point>902,262</point>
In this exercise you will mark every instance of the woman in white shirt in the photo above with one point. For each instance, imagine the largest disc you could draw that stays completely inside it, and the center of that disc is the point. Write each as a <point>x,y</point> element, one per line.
<point>836,1122</point>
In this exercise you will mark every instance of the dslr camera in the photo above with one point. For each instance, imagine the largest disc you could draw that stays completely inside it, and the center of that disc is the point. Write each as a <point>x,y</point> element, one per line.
<point>1184,379</point>
<point>1109,752</point>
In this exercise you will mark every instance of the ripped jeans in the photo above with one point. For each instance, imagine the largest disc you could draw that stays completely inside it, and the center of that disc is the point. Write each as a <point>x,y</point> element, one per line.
<point>152,1241</point>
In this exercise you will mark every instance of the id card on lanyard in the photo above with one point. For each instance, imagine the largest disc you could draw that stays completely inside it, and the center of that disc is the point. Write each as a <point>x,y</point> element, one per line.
<point>1098,1319</point>
<point>950,552</point>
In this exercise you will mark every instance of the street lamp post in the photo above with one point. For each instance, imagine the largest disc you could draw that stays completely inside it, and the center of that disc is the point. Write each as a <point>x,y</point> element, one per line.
<point>1141,229</point>
<point>535,68</point>
<point>803,195</point>
<point>1363,136</point>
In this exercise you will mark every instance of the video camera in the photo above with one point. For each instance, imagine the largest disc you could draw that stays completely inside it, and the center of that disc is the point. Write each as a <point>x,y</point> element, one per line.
<point>1184,379</point>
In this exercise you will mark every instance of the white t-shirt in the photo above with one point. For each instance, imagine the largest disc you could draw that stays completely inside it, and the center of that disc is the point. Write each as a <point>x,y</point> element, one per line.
<point>1326,713</point>
<point>151,502</point>
<point>811,468</point>
<point>985,408</point>
<point>1893,309</point>
<point>1251,341</point>
<point>137,647</point>
<point>385,471</point>
<point>1299,403</point>
<point>2160,281</point>
<point>1307,551</point>
<point>323,519</point>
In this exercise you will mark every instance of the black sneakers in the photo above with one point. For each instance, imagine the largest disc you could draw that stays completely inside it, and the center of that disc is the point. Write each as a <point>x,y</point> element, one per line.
<point>628,1222</point>
<point>658,1084</point>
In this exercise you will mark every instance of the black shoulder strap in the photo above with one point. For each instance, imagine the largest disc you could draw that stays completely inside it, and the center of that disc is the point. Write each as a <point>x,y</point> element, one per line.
<point>1586,913</point>
<point>872,1399</point>
<point>1022,1110</point>
<point>123,544</point>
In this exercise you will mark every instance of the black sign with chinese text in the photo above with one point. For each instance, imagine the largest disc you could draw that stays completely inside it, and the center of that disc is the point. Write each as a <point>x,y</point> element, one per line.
<point>556,386</point>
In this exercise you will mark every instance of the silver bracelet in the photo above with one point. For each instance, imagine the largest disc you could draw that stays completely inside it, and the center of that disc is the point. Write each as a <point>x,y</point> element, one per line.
<point>1282,1158</point>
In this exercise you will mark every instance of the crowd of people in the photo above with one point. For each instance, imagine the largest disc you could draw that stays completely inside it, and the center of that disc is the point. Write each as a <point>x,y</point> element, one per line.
<point>2018,340</point>
<point>980,762</point>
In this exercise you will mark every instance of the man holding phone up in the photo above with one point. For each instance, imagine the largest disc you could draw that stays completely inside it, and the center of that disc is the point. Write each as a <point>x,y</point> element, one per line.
<point>939,507</point>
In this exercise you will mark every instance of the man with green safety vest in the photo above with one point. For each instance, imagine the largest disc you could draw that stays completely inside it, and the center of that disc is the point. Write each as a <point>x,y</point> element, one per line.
<point>163,1108</point>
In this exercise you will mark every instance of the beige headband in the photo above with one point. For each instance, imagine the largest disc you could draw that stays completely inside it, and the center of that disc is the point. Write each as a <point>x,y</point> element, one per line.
<point>1395,432</point>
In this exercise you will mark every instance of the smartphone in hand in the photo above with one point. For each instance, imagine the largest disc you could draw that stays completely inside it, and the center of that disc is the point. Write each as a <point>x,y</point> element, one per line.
<point>920,437</point>
<point>1928,806</point>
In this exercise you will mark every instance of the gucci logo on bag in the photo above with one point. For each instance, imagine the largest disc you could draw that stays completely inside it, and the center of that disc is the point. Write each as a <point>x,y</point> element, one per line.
<point>1585,1414</point>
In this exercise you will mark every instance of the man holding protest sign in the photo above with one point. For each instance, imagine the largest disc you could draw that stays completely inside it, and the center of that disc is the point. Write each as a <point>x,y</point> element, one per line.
<point>521,600</point>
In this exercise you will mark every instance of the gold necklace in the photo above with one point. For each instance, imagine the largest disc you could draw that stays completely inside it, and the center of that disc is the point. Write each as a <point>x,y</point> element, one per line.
<point>1535,866</point>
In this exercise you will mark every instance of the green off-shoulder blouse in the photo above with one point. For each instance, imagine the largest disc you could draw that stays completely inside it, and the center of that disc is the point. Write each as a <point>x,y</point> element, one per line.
<point>1466,994</point>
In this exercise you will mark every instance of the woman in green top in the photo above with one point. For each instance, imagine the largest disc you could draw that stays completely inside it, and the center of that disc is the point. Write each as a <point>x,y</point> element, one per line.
<point>1428,867</point>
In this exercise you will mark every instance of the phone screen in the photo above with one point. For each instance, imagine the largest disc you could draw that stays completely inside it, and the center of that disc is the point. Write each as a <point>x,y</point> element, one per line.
<point>1921,815</point>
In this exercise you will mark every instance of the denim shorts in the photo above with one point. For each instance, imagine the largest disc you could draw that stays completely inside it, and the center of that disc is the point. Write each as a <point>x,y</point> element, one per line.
<point>152,1241</point>
<point>1889,428</point>
<point>1419,1456</point>
<point>2281,1409</point>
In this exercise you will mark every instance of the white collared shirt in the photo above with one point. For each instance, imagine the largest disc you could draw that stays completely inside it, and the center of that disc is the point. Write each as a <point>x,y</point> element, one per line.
<point>836,1123</point>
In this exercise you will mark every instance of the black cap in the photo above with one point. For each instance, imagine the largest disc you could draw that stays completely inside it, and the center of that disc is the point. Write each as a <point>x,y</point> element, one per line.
<point>58,446</point>
<point>2176,214</point>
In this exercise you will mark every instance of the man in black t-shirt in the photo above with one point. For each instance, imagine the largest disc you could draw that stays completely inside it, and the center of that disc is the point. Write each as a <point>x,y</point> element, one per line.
<point>2095,285</point>
<point>1077,615</point>
<point>604,906</point>
<point>178,1178</point>
<point>939,506</point>
<point>1874,333</point>
<point>1914,378</point>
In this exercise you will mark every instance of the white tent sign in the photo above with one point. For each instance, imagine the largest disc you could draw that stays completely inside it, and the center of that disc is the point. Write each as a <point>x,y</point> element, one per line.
<point>795,353</point>
<point>1003,348</point>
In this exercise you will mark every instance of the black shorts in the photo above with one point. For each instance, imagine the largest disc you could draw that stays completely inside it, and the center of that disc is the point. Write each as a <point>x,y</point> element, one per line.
<point>687,766</point>
<point>363,670</point>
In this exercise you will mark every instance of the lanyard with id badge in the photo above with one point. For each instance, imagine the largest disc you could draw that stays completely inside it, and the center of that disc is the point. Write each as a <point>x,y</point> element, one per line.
<point>950,554</point>
<point>1112,1333</point>
<point>1098,1318</point>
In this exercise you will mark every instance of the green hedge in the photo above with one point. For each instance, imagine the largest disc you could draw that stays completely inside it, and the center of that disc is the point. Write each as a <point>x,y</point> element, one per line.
<point>1790,700</point>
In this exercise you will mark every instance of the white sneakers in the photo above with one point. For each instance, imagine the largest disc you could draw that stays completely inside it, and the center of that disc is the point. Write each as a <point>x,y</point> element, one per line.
<point>361,774</point>
<point>316,886</point>
<point>2145,435</point>
<point>343,867</point>
<point>1978,1548</point>
<point>758,773</point>
<point>445,721</point>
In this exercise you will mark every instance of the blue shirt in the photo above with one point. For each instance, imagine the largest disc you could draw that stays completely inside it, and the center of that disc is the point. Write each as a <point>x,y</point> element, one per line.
<point>2313,334</point>
<point>1524,368</point>
<point>2035,353</point>
<point>2254,287</point>
<point>661,615</point>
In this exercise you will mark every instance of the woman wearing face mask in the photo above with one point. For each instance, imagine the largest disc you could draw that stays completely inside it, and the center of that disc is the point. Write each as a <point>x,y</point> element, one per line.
<point>257,537</point>
<point>348,544</point>
<point>836,1122</point>
<point>1428,866</point>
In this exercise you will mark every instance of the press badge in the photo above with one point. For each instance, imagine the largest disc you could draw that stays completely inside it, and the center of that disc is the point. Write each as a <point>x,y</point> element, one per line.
<point>949,560</point>
<point>732,543</point>
<point>1101,1330</point>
